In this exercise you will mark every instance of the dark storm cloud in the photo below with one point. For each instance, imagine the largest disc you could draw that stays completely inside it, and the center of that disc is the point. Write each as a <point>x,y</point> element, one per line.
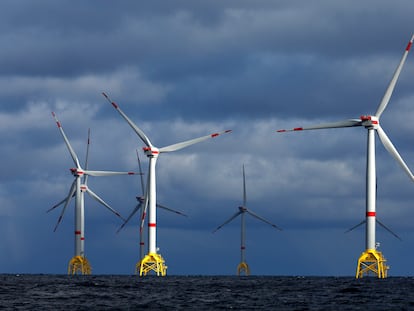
<point>223,59</point>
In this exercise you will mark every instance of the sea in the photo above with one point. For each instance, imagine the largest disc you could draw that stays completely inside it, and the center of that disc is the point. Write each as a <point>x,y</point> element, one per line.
<point>122,292</point>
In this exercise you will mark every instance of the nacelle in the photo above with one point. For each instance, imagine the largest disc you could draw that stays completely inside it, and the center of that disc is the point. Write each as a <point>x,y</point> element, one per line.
<point>369,121</point>
<point>76,172</point>
<point>151,152</point>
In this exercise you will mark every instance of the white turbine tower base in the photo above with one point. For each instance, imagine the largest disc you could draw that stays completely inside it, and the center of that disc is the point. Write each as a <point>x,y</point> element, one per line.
<point>79,264</point>
<point>153,261</point>
<point>371,260</point>
<point>142,201</point>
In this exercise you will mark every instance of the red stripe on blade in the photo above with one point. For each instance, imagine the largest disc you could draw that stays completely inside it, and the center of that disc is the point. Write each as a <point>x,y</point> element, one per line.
<point>152,225</point>
<point>371,214</point>
<point>408,46</point>
<point>298,129</point>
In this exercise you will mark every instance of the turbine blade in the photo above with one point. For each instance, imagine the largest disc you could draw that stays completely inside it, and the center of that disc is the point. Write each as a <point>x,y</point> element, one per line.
<point>71,151</point>
<point>190,142</point>
<point>68,199</point>
<point>391,86</point>
<point>262,219</point>
<point>227,221</point>
<point>345,123</point>
<point>137,130</point>
<point>144,210</point>
<point>244,188</point>
<point>85,180</point>
<point>107,173</point>
<point>141,174</point>
<point>356,226</point>
<point>144,213</point>
<point>391,149</point>
<point>171,210</point>
<point>56,205</point>
<point>87,149</point>
<point>136,209</point>
<point>97,198</point>
<point>388,229</point>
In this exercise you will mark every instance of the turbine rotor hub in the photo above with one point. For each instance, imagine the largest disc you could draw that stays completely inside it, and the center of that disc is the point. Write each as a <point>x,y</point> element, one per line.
<point>370,121</point>
<point>76,172</point>
<point>151,151</point>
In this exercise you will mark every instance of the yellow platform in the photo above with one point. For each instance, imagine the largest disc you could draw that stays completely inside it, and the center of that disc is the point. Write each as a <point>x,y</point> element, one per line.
<point>243,267</point>
<point>151,262</point>
<point>79,265</point>
<point>372,262</point>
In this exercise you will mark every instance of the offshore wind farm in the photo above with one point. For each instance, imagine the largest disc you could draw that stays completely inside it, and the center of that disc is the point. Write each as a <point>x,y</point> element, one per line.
<point>183,70</point>
<point>370,262</point>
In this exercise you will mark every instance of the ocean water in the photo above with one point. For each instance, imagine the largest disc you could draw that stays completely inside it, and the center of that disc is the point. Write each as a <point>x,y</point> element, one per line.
<point>106,292</point>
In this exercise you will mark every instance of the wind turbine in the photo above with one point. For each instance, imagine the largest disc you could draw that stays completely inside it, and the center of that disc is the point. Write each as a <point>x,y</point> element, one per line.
<point>143,202</point>
<point>371,260</point>
<point>153,261</point>
<point>79,263</point>
<point>243,266</point>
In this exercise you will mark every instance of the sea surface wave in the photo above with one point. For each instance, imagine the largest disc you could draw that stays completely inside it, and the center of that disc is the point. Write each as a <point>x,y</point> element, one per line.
<point>112,292</point>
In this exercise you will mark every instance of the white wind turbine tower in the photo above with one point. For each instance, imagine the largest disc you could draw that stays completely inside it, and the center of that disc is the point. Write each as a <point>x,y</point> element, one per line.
<point>143,202</point>
<point>79,263</point>
<point>243,266</point>
<point>372,260</point>
<point>153,261</point>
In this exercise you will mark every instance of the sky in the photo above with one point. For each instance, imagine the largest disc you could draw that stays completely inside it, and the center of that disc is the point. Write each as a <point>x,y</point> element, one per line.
<point>184,69</point>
